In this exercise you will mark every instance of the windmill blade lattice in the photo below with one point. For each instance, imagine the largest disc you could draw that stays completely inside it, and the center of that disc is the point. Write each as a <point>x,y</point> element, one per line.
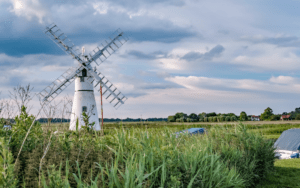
<point>111,93</point>
<point>59,38</point>
<point>60,84</point>
<point>108,47</point>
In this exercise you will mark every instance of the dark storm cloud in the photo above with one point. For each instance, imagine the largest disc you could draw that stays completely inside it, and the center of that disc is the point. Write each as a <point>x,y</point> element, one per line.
<point>215,52</point>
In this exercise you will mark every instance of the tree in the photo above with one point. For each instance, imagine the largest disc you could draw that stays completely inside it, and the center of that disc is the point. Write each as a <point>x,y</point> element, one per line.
<point>215,119</point>
<point>227,118</point>
<point>171,119</point>
<point>21,96</point>
<point>180,115</point>
<point>233,118</point>
<point>267,114</point>
<point>284,113</point>
<point>193,116</point>
<point>297,117</point>
<point>243,116</point>
<point>211,114</point>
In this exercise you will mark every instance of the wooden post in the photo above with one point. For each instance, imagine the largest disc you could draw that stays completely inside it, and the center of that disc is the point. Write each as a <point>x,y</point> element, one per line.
<point>101,109</point>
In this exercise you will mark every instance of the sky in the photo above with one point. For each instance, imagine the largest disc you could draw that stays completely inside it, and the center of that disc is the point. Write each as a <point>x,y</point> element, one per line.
<point>188,56</point>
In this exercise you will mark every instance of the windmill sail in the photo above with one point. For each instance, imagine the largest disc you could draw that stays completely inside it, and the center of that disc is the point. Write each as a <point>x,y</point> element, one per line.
<point>98,56</point>
<point>108,47</point>
<point>59,38</point>
<point>60,84</point>
<point>110,92</point>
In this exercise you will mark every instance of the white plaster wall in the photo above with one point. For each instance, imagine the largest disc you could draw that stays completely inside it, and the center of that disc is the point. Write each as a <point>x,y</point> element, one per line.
<point>84,98</point>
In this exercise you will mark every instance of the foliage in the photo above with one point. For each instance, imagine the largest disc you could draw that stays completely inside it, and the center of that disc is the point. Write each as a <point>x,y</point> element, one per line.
<point>87,125</point>
<point>211,114</point>
<point>276,117</point>
<point>7,177</point>
<point>233,118</point>
<point>267,114</point>
<point>243,116</point>
<point>180,115</point>
<point>297,117</point>
<point>136,156</point>
<point>20,128</point>
<point>171,119</point>
<point>227,118</point>
<point>193,116</point>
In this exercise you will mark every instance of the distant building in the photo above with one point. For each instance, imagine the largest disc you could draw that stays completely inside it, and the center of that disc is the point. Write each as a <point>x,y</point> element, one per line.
<point>285,117</point>
<point>255,118</point>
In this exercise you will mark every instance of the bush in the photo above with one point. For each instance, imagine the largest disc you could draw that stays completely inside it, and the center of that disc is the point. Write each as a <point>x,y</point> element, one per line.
<point>201,120</point>
<point>233,118</point>
<point>7,176</point>
<point>215,119</point>
<point>205,119</point>
<point>171,119</point>
<point>297,117</point>
<point>222,118</point>
<point>210,119</point>
<point>227,118</point>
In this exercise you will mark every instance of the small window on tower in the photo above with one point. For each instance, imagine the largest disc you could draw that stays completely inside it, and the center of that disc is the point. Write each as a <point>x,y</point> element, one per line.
<point>84,73</point>
<point>81,79</point>
<point>84,109</point>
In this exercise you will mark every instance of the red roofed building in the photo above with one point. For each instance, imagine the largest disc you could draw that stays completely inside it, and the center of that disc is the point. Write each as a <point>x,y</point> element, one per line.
<point>285,117</point>
<point>255,118</point>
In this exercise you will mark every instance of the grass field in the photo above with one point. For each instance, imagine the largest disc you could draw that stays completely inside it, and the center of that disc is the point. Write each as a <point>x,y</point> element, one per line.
<point>286,174</point>
<point>148,154</point>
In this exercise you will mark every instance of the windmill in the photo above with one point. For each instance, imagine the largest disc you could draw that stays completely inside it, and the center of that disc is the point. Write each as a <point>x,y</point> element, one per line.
<point>84,75</point>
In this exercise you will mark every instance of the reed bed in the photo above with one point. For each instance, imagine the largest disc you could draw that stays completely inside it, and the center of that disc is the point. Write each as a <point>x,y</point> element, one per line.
<point>127,156</point>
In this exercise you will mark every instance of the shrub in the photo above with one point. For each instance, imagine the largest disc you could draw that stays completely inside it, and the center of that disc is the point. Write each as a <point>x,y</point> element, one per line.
<point>7,176</point>
<point>205,119</point>
<point>171,119</point>
<point>210,119</point>
<point>227,118</point>
<point>233,118</point>
<point>215,119</point>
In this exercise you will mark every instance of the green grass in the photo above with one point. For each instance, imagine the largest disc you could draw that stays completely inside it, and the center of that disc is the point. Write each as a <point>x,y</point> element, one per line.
<point>148,152</point>
<point>286,174</point>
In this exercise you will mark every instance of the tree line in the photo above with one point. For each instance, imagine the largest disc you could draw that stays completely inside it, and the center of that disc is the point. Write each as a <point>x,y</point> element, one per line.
<point>267,115</point>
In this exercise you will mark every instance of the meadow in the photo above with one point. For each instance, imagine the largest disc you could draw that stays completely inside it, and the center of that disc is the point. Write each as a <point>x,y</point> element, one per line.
<point>144,154</point>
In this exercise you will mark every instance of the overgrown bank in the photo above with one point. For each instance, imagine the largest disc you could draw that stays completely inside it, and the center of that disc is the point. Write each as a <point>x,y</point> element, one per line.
<point>153,157</point>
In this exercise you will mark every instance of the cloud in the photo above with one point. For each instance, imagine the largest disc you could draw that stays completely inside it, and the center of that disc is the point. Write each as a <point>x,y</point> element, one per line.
<point>29,9</point>
<point>215,52</point>
<point>284,80</point>
<point>150,56</point>
<point>280,84</point>
<point>280,40</point>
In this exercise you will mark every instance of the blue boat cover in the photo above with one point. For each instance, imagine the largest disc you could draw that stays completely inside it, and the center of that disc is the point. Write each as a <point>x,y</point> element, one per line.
<point>193,131</point>
<point>288,140</point>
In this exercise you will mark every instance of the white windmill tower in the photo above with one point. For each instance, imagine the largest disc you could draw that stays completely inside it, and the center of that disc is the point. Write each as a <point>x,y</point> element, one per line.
<point>84,75</point>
